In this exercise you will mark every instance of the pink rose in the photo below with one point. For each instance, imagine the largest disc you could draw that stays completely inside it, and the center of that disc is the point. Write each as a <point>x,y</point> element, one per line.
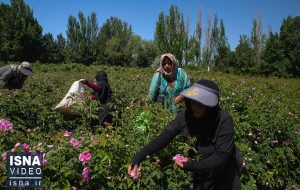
<point>85,174</point>
<point>44,160</point>
<point>135,176</point>
<point>73,188</point>
<point>17,145</point>
<point>179,158</point>
<point>85,157</point>
<point>4,155</point>
<point>26,147</point>
<point>74,143</point>
<point>5,125</point>
<point>67,134</point>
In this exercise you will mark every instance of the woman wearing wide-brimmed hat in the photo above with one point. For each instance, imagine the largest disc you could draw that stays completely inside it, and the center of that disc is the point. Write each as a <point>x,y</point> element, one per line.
<point>213,129</point>
<point>13,76</point>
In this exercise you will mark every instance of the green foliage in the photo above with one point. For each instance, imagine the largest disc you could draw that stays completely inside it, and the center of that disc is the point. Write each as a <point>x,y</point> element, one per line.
<point>223,58</point>
<point>273,57</point>
<point>170,34</point>
<point>265,112</point>
<point>20,32</point>
<point>81,42</point>
<point>290,39</point>
<point>114,38</point>
<point>244,56</point>
<point>51,52</point>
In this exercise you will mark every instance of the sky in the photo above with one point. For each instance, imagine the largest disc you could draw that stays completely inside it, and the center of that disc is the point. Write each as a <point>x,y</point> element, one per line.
<point>142,15</point>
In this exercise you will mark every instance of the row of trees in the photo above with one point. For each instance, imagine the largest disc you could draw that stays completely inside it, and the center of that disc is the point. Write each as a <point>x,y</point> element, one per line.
<point>114,43</point>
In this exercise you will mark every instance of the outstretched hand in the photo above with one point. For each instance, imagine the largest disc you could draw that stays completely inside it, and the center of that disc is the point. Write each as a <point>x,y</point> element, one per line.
<point>133,172</point>
<point>178,99</point>
<point>180,160</point>
<point>83,81</point>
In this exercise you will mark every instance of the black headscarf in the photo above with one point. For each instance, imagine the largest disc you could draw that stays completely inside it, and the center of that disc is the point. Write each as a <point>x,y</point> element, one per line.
<point>207,123</point>
<point>105,95</point>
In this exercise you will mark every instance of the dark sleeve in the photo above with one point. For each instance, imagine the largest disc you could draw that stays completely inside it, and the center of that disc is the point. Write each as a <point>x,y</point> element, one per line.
<point>205,151</point>
<point>93,86</point>
<point>6,76</point>
<point>161,141</point>
<point>222,150</point>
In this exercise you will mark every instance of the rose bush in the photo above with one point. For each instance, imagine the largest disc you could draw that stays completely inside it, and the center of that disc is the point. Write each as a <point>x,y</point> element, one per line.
<point>265,112</point>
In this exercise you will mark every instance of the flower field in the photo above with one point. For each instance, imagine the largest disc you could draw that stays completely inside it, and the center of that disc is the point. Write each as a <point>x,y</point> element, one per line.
<point>80,155</point>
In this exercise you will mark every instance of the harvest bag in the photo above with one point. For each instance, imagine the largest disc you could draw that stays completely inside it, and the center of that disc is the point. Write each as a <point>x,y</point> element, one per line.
<point>73,100</point>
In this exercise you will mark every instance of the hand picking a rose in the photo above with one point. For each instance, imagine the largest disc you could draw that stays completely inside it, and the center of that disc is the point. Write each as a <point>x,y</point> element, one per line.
<point>134,172</point>
<point>180,160</point>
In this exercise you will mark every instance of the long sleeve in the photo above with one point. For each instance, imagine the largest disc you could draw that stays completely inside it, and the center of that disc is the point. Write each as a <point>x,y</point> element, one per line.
<point>93,86</point>
<point>205,151</point>
<point>160,141</point>
<point>222,151</point>
<point>6,76</point>
<point>153,89</point>
<point>186,82</point>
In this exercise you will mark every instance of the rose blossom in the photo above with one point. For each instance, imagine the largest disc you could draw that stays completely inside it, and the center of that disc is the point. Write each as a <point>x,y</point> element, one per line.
<point>67,134</point>
<point>4,155</point>
<point>5,125</point>
<point>17,145</point>
<point>44,160</point>
<point>134,176</point>
<point>85,157</point>
<point>85,174</point>
<point>26,147</point>
<point>179,158</point>
<point>74,143</point>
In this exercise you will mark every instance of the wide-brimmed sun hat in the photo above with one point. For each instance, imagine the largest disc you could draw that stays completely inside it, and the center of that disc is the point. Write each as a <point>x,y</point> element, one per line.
<point>25,68</point>
<point>204,91</point>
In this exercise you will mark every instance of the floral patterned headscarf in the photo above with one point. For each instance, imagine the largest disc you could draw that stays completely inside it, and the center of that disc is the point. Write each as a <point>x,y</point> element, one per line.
<point>171,76</point>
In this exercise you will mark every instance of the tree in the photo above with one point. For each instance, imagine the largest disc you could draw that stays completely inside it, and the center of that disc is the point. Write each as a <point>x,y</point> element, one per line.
<point>215,38</point>
<point>61,46</point>
<point>143,52</point>
<point>20,33</point>
<point>273,60</point>
<point>160,35</point>
<point>223,58</point>
<point>244,56</point>
<point>194,43</point>
<point>257,38</point>
<point>49,49</point>
<point>72,43</point>
<point>113,41</point>
<point>290,39</point>
<point>207,51</point>
<point>170,34</point>
<point>197,48</point>
<point>186,53</point>
<point>81,37</point>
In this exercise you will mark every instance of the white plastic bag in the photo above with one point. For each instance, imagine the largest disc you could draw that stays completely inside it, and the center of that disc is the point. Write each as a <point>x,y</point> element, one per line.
<point>73,99</point>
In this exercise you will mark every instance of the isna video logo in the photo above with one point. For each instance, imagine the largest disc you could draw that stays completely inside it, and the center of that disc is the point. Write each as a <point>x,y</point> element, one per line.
<point>24,169</point>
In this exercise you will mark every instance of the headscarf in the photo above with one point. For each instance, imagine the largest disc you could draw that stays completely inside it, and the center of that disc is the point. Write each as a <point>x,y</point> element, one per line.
<point>171,76</point>
<point>106,93</point>
<point>101,76</point>
<point>212,113</point>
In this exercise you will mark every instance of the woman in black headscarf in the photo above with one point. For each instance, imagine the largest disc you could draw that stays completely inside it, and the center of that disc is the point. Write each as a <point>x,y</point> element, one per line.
<point>102,93</point>
<point>213,129</point>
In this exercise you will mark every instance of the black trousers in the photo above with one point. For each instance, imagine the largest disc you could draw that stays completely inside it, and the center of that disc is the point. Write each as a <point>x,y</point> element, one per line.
<point>227,179</point>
